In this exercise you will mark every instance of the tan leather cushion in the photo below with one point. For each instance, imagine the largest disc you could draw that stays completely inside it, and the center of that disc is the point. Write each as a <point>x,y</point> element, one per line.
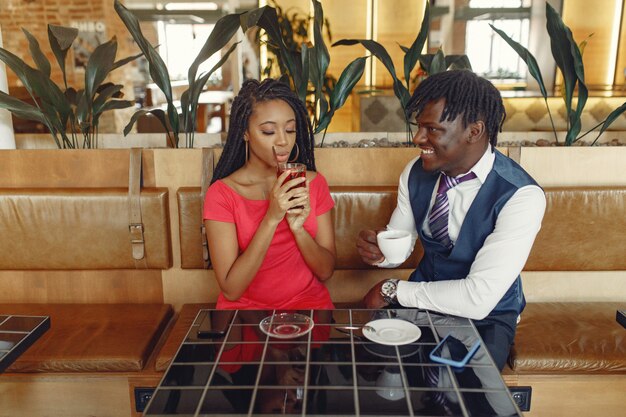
<point>583,230</point>
<point>80,228</point>
<point>92,338</point>
<point>189,223</point>
<point>569,338</point>
<point>185,318</point>
<point>358,208</point>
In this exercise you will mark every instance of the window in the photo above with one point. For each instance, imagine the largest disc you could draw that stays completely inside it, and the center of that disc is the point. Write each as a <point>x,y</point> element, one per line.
<point>489,54</point>
<point>180,44</point>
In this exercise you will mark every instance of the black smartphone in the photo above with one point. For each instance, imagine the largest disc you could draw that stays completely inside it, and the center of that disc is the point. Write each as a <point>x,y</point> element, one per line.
<point>451,351</point>
<point>206,330</point>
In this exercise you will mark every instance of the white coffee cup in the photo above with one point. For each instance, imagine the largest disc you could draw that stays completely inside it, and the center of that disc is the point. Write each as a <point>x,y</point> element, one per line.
<point>389,384</point>
<point>394,244</point>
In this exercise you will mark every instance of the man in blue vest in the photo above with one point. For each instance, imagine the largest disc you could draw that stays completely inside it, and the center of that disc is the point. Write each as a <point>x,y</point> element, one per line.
<point>475,211</point>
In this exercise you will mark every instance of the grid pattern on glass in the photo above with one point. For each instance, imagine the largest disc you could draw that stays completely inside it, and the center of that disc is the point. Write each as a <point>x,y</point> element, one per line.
<point>18,333</point>
<point>332,370</point>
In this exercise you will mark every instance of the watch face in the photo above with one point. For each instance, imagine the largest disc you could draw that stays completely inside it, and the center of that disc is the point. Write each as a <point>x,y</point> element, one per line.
<point>389,289</point>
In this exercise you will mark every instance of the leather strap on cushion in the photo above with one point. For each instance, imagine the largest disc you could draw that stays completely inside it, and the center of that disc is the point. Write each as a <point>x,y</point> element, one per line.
<point>135,226</point>
<point>207,175</point>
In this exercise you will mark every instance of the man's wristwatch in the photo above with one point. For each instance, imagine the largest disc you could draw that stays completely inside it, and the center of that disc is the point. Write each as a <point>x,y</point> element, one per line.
<point>389,291</point>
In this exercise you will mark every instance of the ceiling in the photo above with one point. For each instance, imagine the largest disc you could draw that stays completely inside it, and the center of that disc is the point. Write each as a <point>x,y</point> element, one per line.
<point>187,11</point>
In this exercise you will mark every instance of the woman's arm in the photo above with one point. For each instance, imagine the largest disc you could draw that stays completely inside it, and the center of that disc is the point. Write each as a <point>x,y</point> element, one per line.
<point>235,271</point>
<point>319,253</point>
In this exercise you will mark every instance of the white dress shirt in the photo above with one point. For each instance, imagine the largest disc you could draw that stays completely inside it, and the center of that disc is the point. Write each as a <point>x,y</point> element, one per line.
<point>497,263</point>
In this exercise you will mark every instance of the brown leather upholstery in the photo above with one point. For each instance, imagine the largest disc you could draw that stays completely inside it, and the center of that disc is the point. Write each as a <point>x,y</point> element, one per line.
<point>356,208</point>
<point>185,318</point>
<point>583,230</point>
<point>80,228</point>
<point>569,338</point>
<point>92,338</point>
<point>189,223</point>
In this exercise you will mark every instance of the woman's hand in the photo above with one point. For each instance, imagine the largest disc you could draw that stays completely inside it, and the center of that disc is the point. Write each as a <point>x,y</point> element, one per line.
<point>284,196</point>
<point>297,216</point>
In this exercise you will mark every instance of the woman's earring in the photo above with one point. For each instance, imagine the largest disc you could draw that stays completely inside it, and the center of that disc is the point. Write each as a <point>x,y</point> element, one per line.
<point>297,154</point>
<point>247,156</point>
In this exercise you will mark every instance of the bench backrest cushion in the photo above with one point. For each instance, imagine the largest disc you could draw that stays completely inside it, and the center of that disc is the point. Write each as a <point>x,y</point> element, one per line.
<point>189,227</point>
<point>582,230</point>
<point>80,229</point>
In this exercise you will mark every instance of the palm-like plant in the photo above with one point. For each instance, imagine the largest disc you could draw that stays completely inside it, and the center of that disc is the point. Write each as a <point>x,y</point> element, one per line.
<point>411,57</point>
<point>430,63</point>
<point>69,114</point>
<point>223,32</point>
<point>309,66</point>
<point>568,57</point>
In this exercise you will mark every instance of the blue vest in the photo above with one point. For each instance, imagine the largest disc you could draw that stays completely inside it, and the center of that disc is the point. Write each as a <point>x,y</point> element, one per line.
<point>440,263</point>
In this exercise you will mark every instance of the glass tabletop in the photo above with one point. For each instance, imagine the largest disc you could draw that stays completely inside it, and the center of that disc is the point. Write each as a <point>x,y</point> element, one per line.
<point>18,333</point>
<point>229,365</point>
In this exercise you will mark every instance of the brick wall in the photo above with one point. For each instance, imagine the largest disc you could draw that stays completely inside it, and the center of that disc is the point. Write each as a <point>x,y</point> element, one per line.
<point>35,15</point>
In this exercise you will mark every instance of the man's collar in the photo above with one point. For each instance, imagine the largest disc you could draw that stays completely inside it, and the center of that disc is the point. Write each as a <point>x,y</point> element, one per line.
<point>482,168</point>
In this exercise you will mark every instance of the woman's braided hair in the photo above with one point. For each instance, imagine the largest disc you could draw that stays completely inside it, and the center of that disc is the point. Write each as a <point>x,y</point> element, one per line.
<point>466,94</point>
<point>251,93</point>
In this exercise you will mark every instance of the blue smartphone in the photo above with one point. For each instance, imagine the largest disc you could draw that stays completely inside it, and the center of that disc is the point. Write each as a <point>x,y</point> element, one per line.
<point>451,351</point>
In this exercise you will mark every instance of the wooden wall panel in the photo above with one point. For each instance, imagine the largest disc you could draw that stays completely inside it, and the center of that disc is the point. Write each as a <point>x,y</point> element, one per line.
<point>106,286</point>
<point>569,167</point>
<point>81,168</point>
<point>64,396</point>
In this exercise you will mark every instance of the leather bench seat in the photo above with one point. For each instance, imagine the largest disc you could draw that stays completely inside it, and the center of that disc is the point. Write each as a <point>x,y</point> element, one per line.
<point>573,338</point>
<point>92,338</point>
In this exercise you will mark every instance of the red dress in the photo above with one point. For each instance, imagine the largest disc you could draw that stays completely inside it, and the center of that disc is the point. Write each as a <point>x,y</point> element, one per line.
<point>284,281</point>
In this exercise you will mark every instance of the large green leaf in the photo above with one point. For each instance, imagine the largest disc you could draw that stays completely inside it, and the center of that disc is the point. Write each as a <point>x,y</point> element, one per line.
<point>225,28</point>
<point>190,98</point>
<point>301,90</point>
<point>99,66</point>
<point>458,62</point>
<point>320,57</point>
<point>104,95</point>
<point>125,61</point>
<point>19,67</point>
<point>380,52</point>
<point>347,80</point>
<point>35,52</point>
<point>265,17</point>
<point>527,57</point>
<point>110,105</point>
<point>160,115</point>
<point>413,53</point>
<point>561,51</point>
<point>157,68</point>
<point>438,64</point>
<point>21,109</point>
<point>61,39</point>
<point>569,60</point>
<point>610,119</point>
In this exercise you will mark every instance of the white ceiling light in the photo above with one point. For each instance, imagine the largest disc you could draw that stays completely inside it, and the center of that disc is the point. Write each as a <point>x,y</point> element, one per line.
<point>191,6</point>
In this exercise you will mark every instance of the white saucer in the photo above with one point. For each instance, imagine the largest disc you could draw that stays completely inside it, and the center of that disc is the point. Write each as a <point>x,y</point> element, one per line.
<point>286,325</point>
<point>393,332</point>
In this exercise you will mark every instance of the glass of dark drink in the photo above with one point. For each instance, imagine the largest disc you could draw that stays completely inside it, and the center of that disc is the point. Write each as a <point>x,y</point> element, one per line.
<point>297,170</point>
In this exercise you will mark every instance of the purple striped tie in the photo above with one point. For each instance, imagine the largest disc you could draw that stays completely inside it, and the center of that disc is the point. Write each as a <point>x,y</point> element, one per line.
<point>438,218</point>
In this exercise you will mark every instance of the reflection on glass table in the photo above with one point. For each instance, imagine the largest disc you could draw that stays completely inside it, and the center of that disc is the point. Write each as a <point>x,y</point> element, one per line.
<point>18,333</point>
<point>228,366</point>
